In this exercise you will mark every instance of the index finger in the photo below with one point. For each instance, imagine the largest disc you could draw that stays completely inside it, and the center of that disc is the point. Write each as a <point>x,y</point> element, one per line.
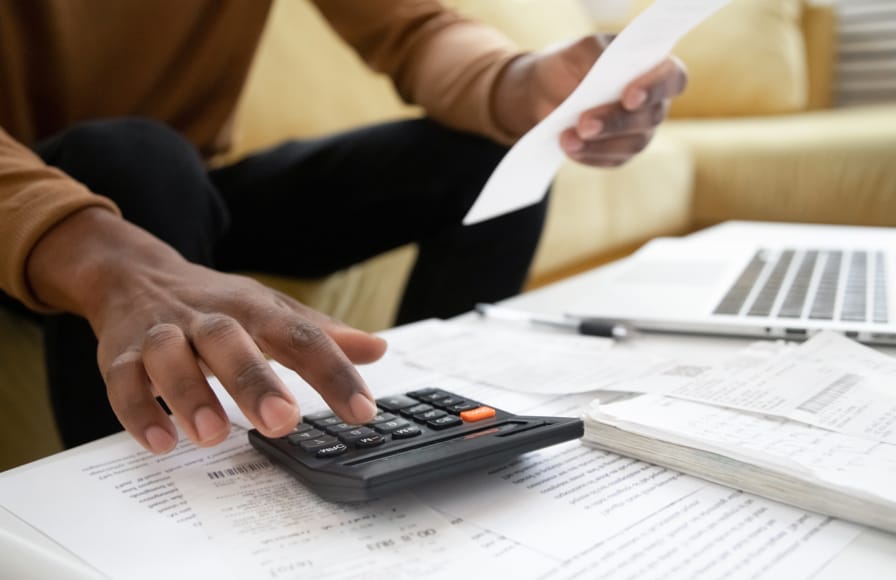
<point>306,348</point>
<point>662,82</point>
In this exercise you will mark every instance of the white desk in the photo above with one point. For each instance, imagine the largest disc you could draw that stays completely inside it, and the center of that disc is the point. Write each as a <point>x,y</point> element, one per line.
<point>27,553</point>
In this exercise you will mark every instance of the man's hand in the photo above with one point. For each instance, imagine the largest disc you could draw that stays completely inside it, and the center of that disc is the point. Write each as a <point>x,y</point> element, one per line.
<point>159,319</point>
<point>533,85</point>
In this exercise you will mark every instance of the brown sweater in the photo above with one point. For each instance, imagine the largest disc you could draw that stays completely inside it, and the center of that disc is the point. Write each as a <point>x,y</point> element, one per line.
<point>184,62</point>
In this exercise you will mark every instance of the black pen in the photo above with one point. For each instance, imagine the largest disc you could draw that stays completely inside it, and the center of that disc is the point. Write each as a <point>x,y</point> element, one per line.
<point>586,326</point>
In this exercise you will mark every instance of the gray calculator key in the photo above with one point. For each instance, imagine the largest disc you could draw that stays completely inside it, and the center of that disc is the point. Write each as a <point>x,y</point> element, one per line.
<point>298,438</point>
<point>396,403</point>
<point>370,441</point>
<point>390,426</point>
<point>313,445</point>
<point>355,434</point>
<point>331,450</point>
<point>406,432</point>
<point>381,418</point>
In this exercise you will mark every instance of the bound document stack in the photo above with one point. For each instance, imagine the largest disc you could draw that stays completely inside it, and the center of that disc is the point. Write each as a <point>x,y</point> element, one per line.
<point>814,427</point>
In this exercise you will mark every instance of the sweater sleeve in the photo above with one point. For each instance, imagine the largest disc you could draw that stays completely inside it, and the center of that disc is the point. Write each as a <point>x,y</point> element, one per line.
<point>436,58</point>
<point>33,198</point>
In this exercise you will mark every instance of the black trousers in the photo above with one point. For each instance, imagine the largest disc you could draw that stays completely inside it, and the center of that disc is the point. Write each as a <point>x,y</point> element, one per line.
<point>305,209</point>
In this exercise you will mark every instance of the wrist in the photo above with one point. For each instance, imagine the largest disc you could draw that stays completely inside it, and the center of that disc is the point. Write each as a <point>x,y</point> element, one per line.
<point>512,104</point>
<point>89,256</point>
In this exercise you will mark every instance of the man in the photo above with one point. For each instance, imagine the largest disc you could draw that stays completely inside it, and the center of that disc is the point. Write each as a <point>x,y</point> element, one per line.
<point>115,229</point>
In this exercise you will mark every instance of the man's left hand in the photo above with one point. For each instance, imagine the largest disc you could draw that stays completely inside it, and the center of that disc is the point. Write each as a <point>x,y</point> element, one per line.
<point>534,84</point>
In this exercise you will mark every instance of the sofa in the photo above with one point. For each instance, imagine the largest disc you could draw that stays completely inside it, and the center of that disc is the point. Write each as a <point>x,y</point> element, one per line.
<point>755,136</point>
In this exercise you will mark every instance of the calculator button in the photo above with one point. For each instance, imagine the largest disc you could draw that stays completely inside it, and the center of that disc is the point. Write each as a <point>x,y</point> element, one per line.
<point>423,393</point>
<point>381,418</point>
<point>390,426</point>
<point>302,427</point>
<point>444,422</point>
<point>370,441</point>
<point>313,445</point>
<point>429,415</point>
<point>311,417</point>
<point>297,438</point>
<point>406,432</point>
<point>477,414</point>
<point>396,403</point>
<point>339,428</point>
<point>355,434</point>
<point>446,402</point>
<point>411,411</point>
<point>326,422</point>
<point>461,407</point>
<point>332,450</point>
<point>434,396</point>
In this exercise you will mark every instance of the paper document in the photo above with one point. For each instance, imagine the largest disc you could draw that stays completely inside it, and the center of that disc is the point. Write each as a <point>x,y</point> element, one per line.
<point>523,176</point>
<point>265,524</point>
<point>829,381</point>
<point>814,468</point>
<point>226,512</point>
<point>529,360</point>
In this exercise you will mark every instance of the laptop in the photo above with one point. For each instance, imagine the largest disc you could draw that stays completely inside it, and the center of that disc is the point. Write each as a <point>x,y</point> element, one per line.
<point>757,279</point>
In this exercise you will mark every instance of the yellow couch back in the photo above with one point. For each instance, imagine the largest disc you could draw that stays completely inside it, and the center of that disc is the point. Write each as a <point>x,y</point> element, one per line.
<point>306,82</point>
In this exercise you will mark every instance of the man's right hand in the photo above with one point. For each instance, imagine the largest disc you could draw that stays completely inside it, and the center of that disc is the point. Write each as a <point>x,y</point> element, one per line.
<point>159,319</point>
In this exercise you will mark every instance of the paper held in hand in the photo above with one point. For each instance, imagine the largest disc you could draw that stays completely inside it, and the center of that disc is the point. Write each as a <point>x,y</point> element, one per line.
<point>523,176</point>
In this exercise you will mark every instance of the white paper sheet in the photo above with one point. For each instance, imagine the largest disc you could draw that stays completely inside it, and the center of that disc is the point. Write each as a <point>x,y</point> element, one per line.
<point>117,505</point>
<point>523,175</point>
<point>714,534</point>
<point>266,525</point>
<point>523,359</point>
<point>122,508</point>
<point>829,381</point>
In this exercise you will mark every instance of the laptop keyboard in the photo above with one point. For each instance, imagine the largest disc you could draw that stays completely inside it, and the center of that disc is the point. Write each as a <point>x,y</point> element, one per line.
<point>816,284</point>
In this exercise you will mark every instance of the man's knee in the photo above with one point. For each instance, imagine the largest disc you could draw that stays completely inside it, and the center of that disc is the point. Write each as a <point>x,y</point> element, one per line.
<point>126,153</point>
<point>154,175</point>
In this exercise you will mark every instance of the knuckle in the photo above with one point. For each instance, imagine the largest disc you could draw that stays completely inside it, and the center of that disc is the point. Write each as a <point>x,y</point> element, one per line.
<point>183,388</point>
<point>162,335</point>
<point>128,403</point>
<point>341,373</point>
<point>305,336</point>
<point>252,376</point>
<point>216,328</point>
<point>615,123</point>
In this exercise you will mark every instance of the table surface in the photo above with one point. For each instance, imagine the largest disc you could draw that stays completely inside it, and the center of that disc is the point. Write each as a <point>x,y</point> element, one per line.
<point>871,556</point>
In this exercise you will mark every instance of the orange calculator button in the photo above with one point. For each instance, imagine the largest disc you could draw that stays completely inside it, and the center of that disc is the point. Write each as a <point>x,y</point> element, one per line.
<point>477,414</point>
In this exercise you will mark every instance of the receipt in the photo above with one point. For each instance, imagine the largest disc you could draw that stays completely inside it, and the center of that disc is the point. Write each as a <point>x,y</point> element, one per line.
<point>523,176</point>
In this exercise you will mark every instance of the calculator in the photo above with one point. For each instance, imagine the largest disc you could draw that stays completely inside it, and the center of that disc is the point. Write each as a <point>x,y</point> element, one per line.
<point>424,435</point>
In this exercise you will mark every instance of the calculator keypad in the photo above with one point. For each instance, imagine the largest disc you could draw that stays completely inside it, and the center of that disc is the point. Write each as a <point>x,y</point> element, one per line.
<point>400,417</point>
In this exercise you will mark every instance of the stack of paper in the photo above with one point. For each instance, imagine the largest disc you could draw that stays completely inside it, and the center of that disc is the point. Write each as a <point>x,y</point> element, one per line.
<point>814,427</point>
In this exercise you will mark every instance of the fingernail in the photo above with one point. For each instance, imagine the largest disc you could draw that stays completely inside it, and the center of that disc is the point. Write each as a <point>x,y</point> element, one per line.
<point>635,99</point>
<point>276,413</point>
<point>209,425</point>
<point>591,128</point>
<point>362,408</point>
<point>159,440</point>
<point>572,143</point>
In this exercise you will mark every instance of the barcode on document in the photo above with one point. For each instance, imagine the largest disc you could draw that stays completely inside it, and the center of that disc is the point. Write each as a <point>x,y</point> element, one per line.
<point>838,388</point>
<point>238,470</point>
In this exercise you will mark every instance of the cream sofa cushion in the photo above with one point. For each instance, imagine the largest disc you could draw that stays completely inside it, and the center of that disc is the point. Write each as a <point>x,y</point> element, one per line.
<point>747,59</point>
<point>832,166</point>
